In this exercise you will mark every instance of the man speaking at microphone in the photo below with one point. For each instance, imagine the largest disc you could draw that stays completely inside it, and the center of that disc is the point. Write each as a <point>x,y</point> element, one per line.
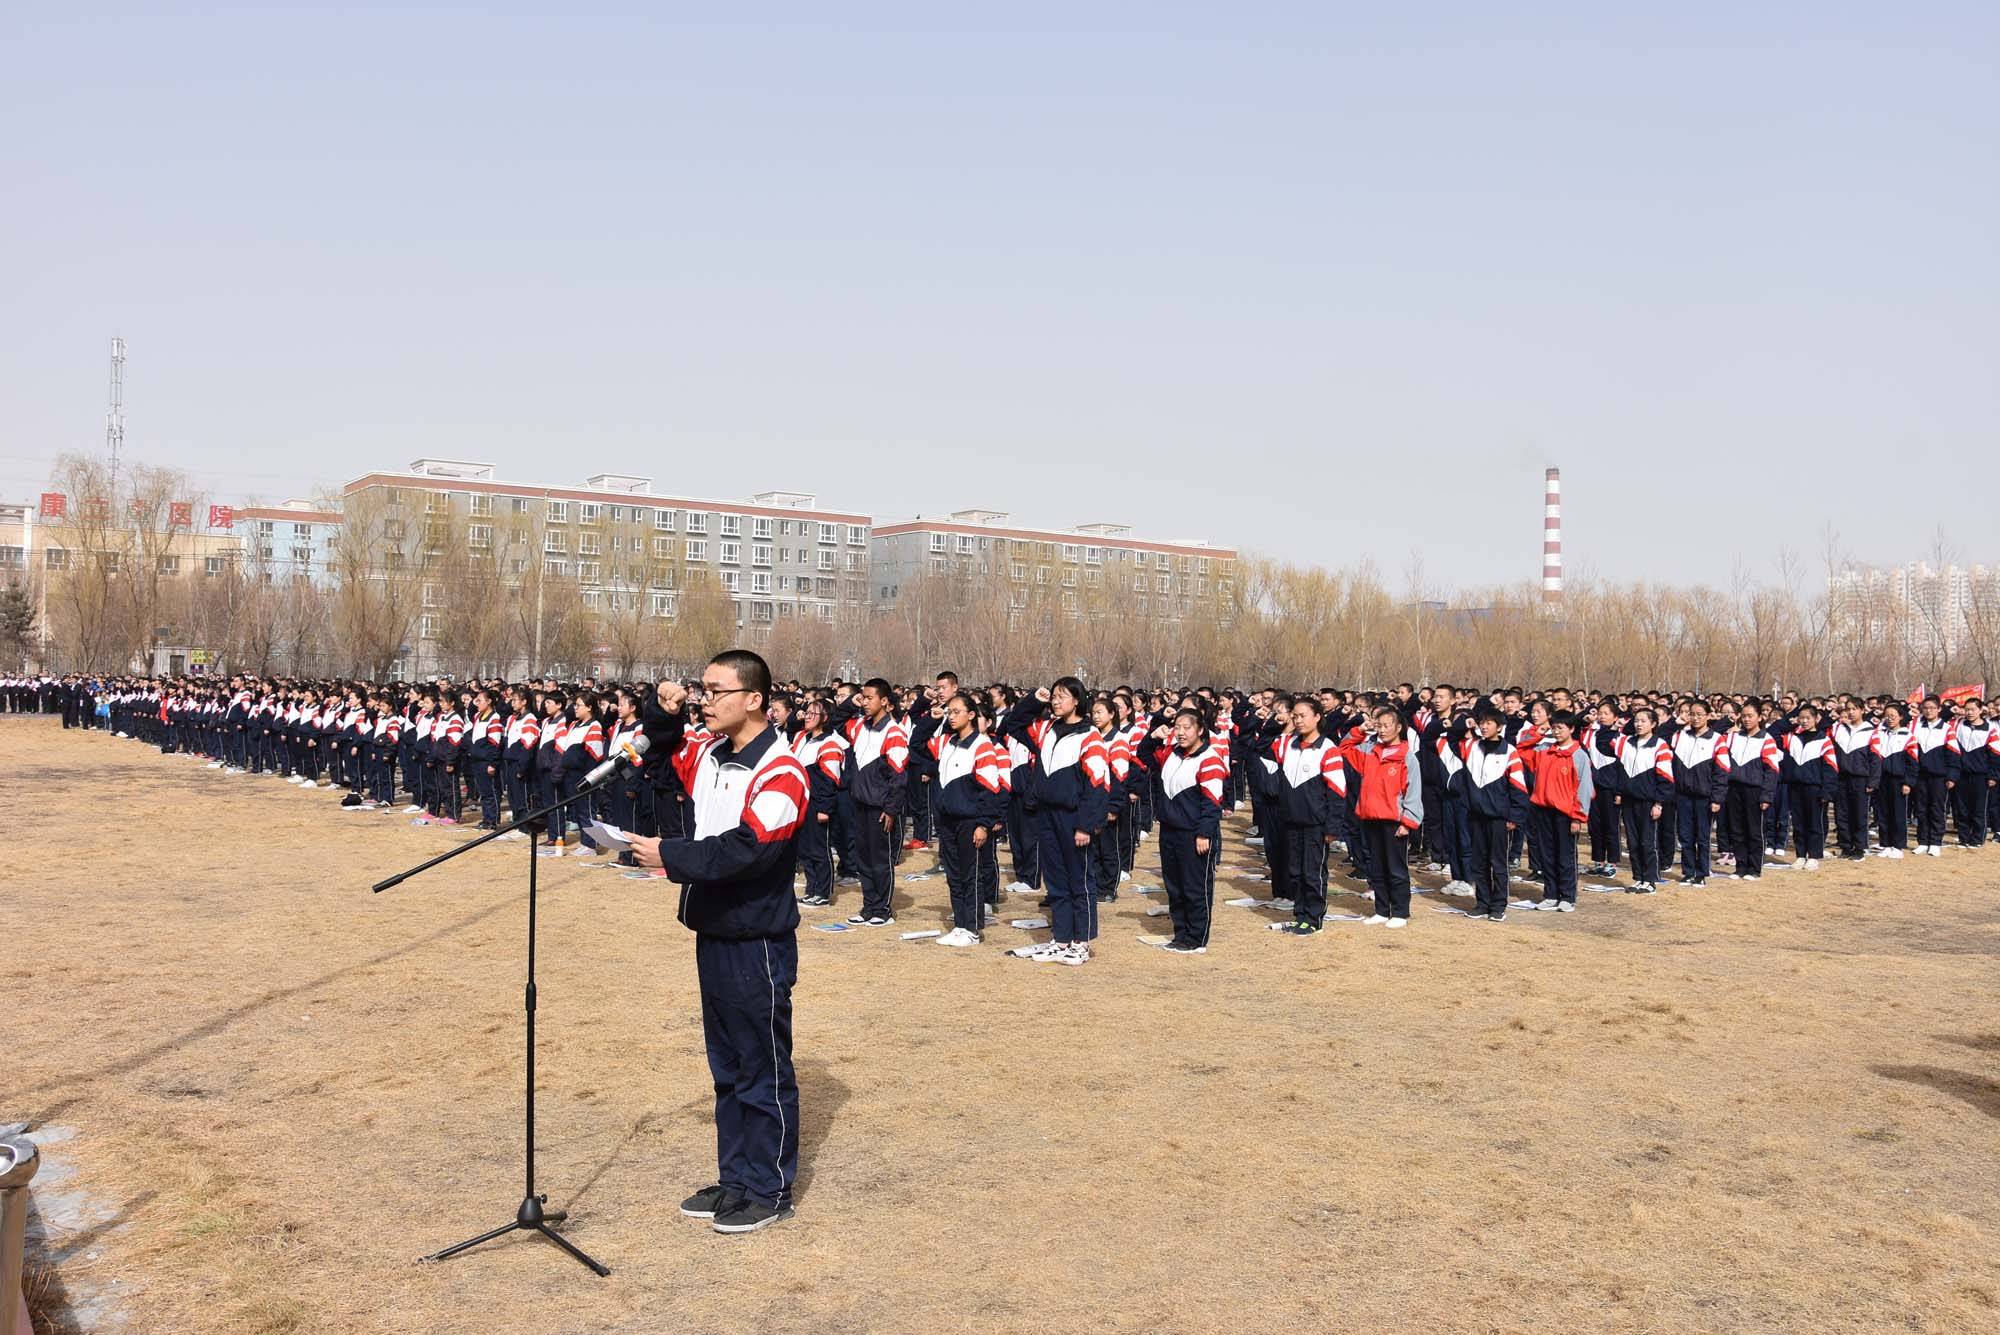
<point>747,793</point>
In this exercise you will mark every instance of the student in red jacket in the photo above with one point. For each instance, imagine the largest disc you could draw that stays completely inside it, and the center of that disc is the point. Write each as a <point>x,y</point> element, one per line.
<point>1389,804</point>
<point>1561,807</point>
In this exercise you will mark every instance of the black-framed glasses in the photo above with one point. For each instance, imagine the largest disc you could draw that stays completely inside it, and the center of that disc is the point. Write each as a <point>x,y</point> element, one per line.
<point>716,693</point>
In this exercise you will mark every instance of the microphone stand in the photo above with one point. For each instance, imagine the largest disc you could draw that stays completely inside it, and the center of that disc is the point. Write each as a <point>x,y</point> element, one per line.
<point>530,1216</point>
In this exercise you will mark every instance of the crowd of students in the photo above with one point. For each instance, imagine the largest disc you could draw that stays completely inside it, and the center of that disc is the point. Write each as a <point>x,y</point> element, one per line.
<point>1071,781</point>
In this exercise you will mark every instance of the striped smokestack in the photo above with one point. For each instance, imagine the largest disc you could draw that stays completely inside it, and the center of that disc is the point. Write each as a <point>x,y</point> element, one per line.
<point>1552,538</point>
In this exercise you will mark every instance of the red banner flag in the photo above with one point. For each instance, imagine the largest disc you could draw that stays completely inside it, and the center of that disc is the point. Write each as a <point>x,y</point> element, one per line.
<point>221,516</point>
<point>55,505</point>
<point>1953,694</point>
<point>180,514</point>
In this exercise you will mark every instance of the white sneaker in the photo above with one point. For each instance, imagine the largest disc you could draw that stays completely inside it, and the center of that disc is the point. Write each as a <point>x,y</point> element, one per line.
<point>1399,922</point>
<point>213,764</point>
<point>1890,853</point>
<point>1124,875</point>
<point>1549,905</point>
<point>958,937</point>
<point>1937,850</point>
<point>413,810</point>
<point>1040,950</point>
<point>1753,876</point>
<point>1565,907</point>
<point>1434,866</point>
<point>1021,888</point>
<point>1374,919</point>
<point>1282,905</point>
<point>1812,864</point>
<point>1457,887</point>
<point>1077,952</point>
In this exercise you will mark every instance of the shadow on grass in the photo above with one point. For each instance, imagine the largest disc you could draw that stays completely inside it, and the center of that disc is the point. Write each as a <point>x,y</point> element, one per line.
<point>1977,1090</point>
<point>217,1023</point>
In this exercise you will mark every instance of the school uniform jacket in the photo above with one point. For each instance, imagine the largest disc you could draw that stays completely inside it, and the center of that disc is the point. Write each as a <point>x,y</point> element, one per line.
<point>1858,752</point>
<point>1311,781</point>
<point>486,741</point>
<point>1383,782</point>
<point>447,739</point>
<point>1701,765</point>
<point>968,778</point>
<point>1119,752</point>
<point>1190,790</point>
<point>1899,765</point>
<point>1977,760</point>
<point>1934,748</point>
<point>1810,760</point>
<point>581,747</point>
<point>878,760</point>
<point>1646,770</point>
<point>523,734</point>
<point>736,871</point>
<point>1075,767</point>
<point>1606,767</point>
<point>1565,780</point>
<point>823,756</point>
<point>1492,780</point>
<point>1754,762</point>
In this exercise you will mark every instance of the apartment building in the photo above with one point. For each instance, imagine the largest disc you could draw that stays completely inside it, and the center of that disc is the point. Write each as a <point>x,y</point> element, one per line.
<point>17,540</point>
<point>775,556</point>
<point>1930,610</point>
<point>287,541</point>
<point>1084,569</point>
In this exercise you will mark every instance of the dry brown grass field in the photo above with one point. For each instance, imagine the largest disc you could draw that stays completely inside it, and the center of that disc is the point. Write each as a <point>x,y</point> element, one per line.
<point>1770,1107</point>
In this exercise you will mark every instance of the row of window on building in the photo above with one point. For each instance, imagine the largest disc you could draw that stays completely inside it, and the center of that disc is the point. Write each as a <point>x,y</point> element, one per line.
<point>480,505</point>
<point>966,544</point>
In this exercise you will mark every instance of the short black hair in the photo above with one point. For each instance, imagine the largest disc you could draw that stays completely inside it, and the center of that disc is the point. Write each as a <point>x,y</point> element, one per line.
<point>752,672</point>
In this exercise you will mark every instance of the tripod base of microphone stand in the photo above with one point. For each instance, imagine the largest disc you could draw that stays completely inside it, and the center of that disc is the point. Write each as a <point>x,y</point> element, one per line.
<point>530,1218</point>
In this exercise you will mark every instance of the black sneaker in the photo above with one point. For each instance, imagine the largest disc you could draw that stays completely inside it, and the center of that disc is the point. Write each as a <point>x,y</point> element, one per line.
<point>1501,916</point>
<point>879,921</point>
<point>1300,928</point>
<point>705,1203</point>
<point>749,1216</point>
<point>816,901</point>
<point>1184,948</point>
<point>1106,899</point>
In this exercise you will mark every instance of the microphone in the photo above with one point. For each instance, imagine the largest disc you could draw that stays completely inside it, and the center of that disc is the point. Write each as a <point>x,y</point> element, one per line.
<point>627,754</point>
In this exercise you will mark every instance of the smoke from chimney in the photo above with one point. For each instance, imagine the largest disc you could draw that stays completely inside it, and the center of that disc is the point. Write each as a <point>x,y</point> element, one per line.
<point>1552,538</point>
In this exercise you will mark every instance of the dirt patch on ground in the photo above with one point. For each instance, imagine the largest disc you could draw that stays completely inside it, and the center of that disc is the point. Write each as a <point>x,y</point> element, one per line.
<point>1745,1108</point>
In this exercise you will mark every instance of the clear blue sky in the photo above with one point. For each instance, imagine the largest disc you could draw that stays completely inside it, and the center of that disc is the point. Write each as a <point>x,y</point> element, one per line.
<point>1322,281</point>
